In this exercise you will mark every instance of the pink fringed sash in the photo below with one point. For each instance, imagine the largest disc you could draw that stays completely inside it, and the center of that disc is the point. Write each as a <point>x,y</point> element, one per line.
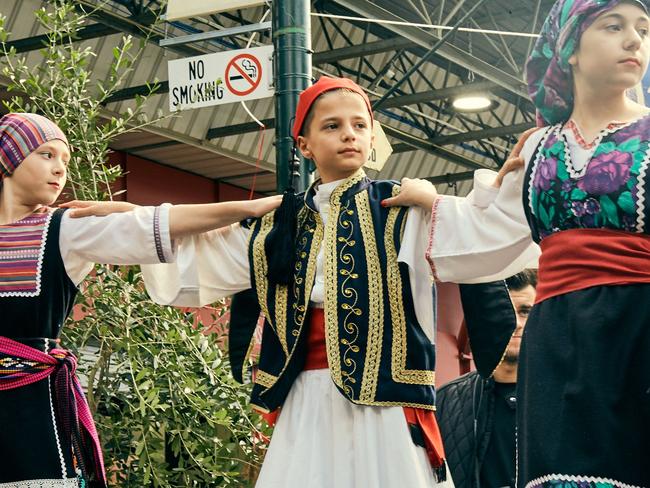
<point>22,365</point>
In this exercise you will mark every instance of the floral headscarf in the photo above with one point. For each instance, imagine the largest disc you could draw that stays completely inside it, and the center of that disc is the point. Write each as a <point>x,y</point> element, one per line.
<point>548,72</point>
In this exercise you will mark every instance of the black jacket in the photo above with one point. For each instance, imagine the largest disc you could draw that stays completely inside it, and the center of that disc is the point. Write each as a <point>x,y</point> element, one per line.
<point>465,411</point>
<point>465,406</point>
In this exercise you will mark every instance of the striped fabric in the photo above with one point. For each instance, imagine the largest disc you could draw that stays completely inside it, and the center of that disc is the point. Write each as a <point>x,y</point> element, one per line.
<point>20,134</point>
<point>21,254</point>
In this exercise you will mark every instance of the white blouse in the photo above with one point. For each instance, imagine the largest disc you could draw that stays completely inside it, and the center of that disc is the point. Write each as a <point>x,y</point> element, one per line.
<point>485,236</point>
<point>215,265</point>
<point>137,237</point>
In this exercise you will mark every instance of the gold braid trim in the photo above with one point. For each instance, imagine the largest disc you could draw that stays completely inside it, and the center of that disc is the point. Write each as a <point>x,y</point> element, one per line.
<point>375,301</point>
<point>265,379</point>
<point>281,298</point>
<point>309,282</point>
<point>260,263</point>
<point>330,270</point>
<point>348,291</point>
<point>398,367</point>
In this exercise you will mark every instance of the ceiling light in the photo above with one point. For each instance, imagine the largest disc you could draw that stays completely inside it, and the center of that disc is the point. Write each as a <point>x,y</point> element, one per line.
<point>472,103</point>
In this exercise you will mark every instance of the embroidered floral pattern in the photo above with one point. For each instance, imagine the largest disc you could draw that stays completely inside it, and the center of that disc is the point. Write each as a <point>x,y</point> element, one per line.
<point>604,194</point>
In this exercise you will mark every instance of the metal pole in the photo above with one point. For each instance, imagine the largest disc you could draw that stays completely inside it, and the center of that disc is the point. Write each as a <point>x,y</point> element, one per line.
<point>292,42</point>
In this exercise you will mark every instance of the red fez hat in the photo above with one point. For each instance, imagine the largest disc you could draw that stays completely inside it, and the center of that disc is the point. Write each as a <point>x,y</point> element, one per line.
<point>324,84</point>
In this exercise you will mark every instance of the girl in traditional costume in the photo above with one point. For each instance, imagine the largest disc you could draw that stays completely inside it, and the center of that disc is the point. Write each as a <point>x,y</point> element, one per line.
<point>47,435</point>
<point>584,378</point>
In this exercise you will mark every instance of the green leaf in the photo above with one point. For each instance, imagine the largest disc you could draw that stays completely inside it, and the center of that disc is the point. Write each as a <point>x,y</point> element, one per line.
<point>605,148</point>
<point>631,145</point>
<point>609,210</point>
<point>626,203</point>
<point>561,170</point>
<point>543,217</point>
<point>578,194</point>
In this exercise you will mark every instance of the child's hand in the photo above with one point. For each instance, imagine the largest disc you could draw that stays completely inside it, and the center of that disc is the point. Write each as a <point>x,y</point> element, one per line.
<point>413,192</point>
<point>262,206</point>
<point>97,209</point>
<point>514,161</point>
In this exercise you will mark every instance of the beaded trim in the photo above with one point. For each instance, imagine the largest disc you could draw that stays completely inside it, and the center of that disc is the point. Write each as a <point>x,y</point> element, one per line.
<point>539,482</point>
<point>9,255</point>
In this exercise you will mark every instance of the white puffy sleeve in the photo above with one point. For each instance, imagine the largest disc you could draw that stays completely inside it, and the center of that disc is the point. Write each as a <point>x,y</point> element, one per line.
<point>136,237</point>
<point>208,267</point>
<point>412,252</point>
<point>484,236</point>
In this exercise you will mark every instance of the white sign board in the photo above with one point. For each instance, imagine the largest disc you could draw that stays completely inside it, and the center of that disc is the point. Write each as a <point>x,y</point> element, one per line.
<point>381,148</point>
<point>214,79</point>
<point>182,9</point>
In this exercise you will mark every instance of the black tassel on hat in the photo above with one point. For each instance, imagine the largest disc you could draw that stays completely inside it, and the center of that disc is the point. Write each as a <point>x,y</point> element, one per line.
<point>280,244</point>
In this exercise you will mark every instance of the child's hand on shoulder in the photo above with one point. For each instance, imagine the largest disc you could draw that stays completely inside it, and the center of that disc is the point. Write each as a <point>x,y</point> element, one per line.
<point>262,206</point>
<point>414,192</point>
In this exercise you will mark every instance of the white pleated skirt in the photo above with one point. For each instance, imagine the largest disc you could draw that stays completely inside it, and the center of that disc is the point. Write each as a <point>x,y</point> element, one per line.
<point>322,440</point>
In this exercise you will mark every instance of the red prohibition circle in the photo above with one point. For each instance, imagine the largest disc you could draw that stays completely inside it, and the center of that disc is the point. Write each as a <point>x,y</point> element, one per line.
<point>233,65</point>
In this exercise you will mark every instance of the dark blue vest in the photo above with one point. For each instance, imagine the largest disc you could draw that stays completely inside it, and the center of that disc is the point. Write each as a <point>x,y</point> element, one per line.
<point>377,352</point>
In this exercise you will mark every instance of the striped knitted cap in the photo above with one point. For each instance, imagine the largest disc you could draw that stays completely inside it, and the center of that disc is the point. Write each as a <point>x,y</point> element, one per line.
<point>22,133</point>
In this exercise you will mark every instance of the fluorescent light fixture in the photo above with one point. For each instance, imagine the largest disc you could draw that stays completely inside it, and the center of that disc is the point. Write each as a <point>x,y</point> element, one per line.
<point>472,103</point>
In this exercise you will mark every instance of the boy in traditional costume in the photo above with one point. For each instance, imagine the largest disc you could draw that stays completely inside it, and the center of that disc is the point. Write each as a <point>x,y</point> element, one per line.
<point>347,348</point>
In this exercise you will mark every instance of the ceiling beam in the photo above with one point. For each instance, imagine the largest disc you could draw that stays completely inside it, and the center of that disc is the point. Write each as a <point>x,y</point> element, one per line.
<point>425,145</point>
<point>477,135</point>
<point>425,39</point>
<point>439,94</point>
<point>367,49</point>
<point>38,42</point>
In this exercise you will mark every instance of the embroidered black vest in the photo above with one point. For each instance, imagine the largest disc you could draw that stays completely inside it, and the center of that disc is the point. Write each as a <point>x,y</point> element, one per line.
<point>377,352</point>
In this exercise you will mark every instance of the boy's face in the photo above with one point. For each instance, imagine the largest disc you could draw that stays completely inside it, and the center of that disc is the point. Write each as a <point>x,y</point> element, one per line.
<point>339,136</point>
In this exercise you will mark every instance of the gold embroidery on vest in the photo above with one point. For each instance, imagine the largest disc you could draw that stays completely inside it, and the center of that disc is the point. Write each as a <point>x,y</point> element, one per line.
<point>375,300</point>
<point>309,225</point>
<point>346,268</point>
<point>260,264</point>
<point>399,350</point>
<point>265,379</point>
<point>330,270</point>
<point>281,298</point>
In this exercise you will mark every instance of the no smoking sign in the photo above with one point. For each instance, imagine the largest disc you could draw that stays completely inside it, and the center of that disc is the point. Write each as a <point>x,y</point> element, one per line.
<point>213,79</point>
<point>243,74</point>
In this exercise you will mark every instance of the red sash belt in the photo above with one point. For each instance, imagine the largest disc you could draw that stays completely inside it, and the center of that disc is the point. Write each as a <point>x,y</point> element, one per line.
<point>25,365</point>
<point>576,259</point>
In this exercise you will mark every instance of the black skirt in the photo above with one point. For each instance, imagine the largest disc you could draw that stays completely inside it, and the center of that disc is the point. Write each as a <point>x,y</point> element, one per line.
<point>584,390</point>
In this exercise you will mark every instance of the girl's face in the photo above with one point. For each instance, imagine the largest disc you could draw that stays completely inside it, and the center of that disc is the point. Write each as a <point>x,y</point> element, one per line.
<point>40,178</point>
<point>613,50</point>
<point>339,136</point>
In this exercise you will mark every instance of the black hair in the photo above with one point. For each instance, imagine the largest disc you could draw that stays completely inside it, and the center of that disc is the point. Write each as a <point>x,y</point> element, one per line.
<point>522,280</point>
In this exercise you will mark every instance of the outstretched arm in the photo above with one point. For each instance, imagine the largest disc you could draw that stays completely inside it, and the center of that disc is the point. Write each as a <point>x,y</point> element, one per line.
<point>185,220</point>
